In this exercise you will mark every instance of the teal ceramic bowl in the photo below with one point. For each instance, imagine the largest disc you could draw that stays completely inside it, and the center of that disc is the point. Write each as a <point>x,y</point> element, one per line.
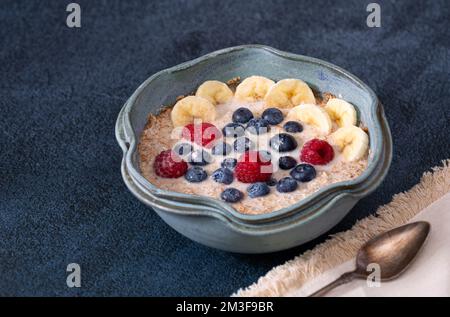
<point>216,224</point>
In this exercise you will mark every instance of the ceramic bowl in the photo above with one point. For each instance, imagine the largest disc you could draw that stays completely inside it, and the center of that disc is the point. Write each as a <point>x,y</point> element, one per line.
<point>215,223</point>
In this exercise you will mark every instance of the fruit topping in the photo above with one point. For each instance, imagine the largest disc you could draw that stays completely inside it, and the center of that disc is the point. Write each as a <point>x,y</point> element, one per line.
<point>265,156</point>
<point>221,148</point>
<point>273,116</point>
<point>243,144</point>
<point>258,189</point>
<point>252,167</point>
<point>303,172</point>
<point>286,185</point>
<point>288,93</point>
<point>215,91</point>
<point>271,182</point>
<point>169,165</point>
<point>313,115</point>
<point>283,142</point>
<point>223,175</point>
<point>293,127</point>
<point>317,152</point>
<point>195,174</point>
<point>183,148</point>
<point>242,115</point>
<point>253,88</point>
<point>233,130</point>
<point>258,126</point>
<point>341,111</point>
<point>202,134</point>
<point>229,163</point>
<point>199,158</point>
<point>352,141</point>
<point>192,108</point>
<point>286,162</point>
<point>231,195</point>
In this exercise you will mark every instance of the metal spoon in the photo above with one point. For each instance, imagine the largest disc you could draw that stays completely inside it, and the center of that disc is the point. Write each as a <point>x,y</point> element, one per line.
<point>392,251</point>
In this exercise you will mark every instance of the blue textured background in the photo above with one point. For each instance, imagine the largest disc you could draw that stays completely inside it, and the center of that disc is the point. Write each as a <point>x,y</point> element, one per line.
<point>62,198</point>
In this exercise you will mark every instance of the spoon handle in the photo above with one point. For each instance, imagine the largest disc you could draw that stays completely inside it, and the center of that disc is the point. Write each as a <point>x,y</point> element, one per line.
<point>343,279</point>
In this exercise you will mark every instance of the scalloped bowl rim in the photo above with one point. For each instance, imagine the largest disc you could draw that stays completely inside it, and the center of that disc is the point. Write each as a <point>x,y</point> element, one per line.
<point>228,209</point>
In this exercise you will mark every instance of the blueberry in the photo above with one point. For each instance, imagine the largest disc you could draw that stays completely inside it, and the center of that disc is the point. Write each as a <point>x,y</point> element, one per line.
<point>303,172</point>
<point>293,127</point>
<point>233,130</point>
<point>286,185</point>
<point>271,182</point>
<point>258,126</point>
<point>242,115</point>
<point>231,195</point>
<point>283,142</point>
<point>183,148</point>
<point>286,162</point>
<point>273,116</point>
<point>199,158</point>
<point>223,175</point>
<point>265,156</point>
<point>195,174</point>
<point>221,148</point>
<point>229,163</point>
<point>258,189</point>
<point>243,144</point>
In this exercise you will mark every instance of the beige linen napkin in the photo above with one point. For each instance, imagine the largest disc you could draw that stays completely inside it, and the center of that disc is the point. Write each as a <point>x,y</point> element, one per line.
<point>428,275</point>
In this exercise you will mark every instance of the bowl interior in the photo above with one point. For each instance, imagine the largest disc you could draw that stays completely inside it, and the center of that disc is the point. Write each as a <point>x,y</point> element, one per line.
<point>163,87</point>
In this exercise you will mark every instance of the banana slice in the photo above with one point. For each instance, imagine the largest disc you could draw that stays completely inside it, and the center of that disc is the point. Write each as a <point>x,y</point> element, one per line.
<point>288,93</point>
<point>341,111</point>
<point>314,115</point>
<point>352,141</point>
<point>190,108</point>
<point>253,88</point>
<point>215,91</point>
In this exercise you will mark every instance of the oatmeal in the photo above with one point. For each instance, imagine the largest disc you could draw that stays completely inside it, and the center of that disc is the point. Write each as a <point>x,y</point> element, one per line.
<point>260,148</point>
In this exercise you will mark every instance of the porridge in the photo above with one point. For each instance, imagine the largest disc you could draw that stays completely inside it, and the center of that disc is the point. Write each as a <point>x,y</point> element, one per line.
<point>261,147</point>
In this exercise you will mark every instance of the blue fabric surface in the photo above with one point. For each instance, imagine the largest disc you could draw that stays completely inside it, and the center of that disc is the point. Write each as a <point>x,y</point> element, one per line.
<point>62,199</point>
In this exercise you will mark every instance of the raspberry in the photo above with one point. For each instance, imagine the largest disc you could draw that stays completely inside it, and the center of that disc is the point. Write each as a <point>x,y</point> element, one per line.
<point>203,134</point>
<point>253,167</point>
<point>317,152</point>
<point>169,165</point>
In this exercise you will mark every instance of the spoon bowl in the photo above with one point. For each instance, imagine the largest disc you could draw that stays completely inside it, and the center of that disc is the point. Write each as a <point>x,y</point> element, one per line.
<point>393,250</point>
